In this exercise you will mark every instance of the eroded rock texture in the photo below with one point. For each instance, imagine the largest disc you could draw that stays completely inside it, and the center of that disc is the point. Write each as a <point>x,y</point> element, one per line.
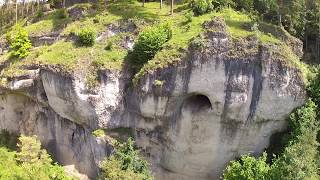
<point>224,99</point>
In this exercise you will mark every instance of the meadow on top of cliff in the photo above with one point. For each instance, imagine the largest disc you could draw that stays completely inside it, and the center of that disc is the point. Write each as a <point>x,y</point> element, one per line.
<point>114,28</point>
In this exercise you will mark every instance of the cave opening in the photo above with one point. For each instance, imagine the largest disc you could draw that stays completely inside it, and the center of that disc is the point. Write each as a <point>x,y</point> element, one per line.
<point>197,103</point>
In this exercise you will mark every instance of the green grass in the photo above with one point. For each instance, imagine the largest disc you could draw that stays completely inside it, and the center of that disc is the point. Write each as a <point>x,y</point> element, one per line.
<point>97,23</point>
<point>49,23</point>
<point>109,54</point>
<point>184,32</point>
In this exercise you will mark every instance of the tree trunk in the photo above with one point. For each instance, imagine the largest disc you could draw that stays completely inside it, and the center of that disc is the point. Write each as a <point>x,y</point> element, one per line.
<point>171,7</point>
<point>160,4</point>
<point>143,1</point>
<point>16,11</point>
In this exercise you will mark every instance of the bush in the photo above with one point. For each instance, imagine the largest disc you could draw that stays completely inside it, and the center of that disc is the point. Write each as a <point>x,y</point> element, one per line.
<point>149,43</point>
<point>19,42</point>
<point>98,133</point>
<point>188,17</point>
<point>314,87</point>
<point>246,5</point>
<point>61,13</point>
<point>247,168</point>
<point>297,162</point>
<point>200,7</point>
<point>39,14</point>
<point>86,37</point>
<point>125,163</point>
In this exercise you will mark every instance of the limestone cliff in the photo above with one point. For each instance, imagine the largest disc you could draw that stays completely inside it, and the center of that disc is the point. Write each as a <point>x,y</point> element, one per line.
<point>225,98</point>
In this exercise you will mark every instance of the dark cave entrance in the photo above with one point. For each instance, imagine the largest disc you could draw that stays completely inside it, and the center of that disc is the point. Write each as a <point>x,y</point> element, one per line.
<point>197,103</point>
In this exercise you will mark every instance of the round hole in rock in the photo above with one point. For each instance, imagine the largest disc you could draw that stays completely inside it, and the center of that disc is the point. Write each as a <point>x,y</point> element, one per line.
<point>197,103</point>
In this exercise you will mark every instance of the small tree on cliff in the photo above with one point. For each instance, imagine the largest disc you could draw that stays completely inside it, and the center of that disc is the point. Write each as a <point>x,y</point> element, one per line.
<point>125,163</point>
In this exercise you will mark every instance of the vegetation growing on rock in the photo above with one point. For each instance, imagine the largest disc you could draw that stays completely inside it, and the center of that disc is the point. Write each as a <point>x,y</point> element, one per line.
<point>19,42</point>
<point>30,161</point>
<point>125,163</point>
<point>299,159</point>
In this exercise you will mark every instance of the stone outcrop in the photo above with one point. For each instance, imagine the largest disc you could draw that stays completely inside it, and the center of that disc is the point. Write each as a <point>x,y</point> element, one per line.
<point>225,98</point>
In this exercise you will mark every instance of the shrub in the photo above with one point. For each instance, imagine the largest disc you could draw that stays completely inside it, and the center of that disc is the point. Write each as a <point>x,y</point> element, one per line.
<point>297,162</point>
<point>188,17</point>
<point>61,13</point>
<point>200,7</point>
<point>247,168</point>
<point>149,43</point>
<point>39,14</point>
<point>314,87</point>
<point>98,133</point>
<point>86,37</point>
<point>19,42</point>
<point>125,163</point>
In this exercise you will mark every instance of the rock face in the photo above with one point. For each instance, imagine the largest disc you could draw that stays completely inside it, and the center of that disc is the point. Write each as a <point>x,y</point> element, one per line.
<point>225,98</point>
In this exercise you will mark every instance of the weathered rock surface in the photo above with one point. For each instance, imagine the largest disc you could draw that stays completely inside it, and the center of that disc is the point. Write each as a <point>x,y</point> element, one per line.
<point>226,98</point>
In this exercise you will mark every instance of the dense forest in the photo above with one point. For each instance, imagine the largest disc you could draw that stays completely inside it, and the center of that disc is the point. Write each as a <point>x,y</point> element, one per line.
<point>294,156</point>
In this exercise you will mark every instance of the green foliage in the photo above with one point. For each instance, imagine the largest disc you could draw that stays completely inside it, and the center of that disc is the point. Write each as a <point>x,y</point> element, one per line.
<point>188,17</point>
<point>149,42</point>
<point>19,42</point>
<point>314,87</point>
<point>86,37</point>
<point>125,163</point>
<point>247,168</point>
<point>200,7</point>
<point>61,13</point>
<point>294,17</point>
<point>246,5</point>
<point>39,14</point>
<point>297,162</point>
<point>268,10</point>
<point>158,83</point>
<point>30,162</point>
<point>98,133</point>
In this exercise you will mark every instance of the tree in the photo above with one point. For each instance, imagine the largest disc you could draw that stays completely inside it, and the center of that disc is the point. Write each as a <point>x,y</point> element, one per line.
<point>267,9</point>
<point>299,161</point>
<point>171,7</point>
<point>247,168</point>
<point>30,162</point>
<point>125,163</point>
<point>244,4</point>
<point>293,16</point>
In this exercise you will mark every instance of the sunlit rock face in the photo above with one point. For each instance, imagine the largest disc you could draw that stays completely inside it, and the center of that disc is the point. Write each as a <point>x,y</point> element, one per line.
<point>225,98</point>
